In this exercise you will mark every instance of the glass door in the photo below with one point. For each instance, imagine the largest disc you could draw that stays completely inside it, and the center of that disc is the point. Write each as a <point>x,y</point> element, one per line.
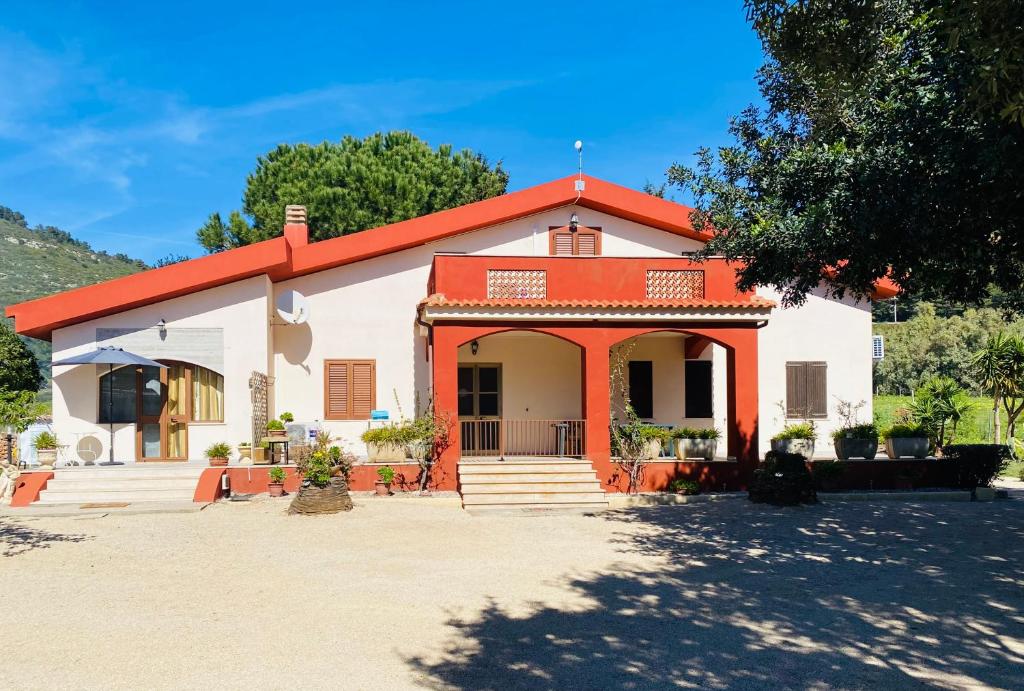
<point>480,408</point>
<point>163,400</point>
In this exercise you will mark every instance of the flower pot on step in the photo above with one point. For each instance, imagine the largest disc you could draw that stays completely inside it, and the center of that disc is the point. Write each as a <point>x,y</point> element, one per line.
<point>696,448</point>
<point>218,461</point>
<point>847,448</point>
<point>804,447</point>
<point>902,447</point>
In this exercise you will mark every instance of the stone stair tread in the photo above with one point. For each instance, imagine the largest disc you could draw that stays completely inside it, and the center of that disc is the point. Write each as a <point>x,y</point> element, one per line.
<point>536,509</point>
<point>543,488</point>
<point>490,478</point>
<point>534,498</point>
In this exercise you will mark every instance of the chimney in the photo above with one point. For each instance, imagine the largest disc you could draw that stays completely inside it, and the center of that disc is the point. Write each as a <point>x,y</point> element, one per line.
<point>295,230</point>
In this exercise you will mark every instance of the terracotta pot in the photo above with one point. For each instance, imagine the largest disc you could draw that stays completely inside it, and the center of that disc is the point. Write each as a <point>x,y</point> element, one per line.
<point>218,460</point>
<point>856,448</point>
<point>696,448</point>
<point>382,489</point>
<point>46,457</point>
<point>277,433</point>
<point>804,447</point>
<point>899,447</point>
<point>275,489</point>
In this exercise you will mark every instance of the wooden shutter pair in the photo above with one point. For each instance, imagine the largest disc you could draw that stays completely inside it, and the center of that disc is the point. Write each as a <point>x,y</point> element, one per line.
<point>585,242</point>
<point>350,389</point>
<point>806,390</point>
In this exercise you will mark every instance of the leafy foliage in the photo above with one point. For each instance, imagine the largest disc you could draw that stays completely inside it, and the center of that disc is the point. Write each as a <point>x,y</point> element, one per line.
<point>782,479</point>
<point>218,450</point>
<point>275,425</point>
<point>999,367</point>
<point>688,433</point>
<point>940,406</point>
<point>979,464</point>
<point>866,430</point>
<point>20,409</point>
<point>19,370</point>
<point>800,430</point>
<point>892,144</point>
<point>684,486</point>
<point>905,430</point>
<point>386,474</point>
<point>277,475</point>
<point>353,185</point>
<point>45,440</point>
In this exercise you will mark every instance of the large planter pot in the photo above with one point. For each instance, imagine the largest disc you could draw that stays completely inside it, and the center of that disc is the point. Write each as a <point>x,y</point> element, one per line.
<point>259,456</point>
<point>902,447</point>
<point>275,489</point>
<point>46,457</point>
<point>696,448</point>
<point>383,489</point>
<point>847,448</point>
<point>804,447</point>
<point>245,452</point>
<point>384,453</point>
<point>218,461</point>
<point>653,449</point>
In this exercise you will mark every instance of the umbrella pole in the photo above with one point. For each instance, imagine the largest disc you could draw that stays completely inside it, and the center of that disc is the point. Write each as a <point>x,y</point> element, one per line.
<point>110,413</point>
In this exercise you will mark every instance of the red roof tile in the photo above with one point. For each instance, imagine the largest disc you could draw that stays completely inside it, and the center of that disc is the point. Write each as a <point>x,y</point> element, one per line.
<point>755,302</point>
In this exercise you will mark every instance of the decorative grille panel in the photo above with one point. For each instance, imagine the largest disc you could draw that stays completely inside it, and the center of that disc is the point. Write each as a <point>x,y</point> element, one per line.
<point>258,385</point>
<point>687,284</point>
<point>517,284</point>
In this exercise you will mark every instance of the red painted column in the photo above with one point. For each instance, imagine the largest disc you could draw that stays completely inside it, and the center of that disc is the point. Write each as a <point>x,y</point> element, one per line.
<point>445,473</point>
<point>743,399</point>
<point>597,407</point>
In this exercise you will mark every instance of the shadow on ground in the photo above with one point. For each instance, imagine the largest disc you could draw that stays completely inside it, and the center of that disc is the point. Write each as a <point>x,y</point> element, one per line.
<point>16,538</point>
<point>842,595</point>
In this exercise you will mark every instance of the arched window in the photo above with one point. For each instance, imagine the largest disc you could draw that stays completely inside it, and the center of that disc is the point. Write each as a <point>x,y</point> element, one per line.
<point>188,390</point>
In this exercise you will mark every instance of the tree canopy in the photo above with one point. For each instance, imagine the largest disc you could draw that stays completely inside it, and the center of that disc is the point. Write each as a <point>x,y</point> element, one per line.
<point>891,143</point>
<point>19,370</point>
<point>353,185</point>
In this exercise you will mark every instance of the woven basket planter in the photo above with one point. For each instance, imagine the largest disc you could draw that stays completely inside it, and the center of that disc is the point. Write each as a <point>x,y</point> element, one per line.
<point>316,500</point>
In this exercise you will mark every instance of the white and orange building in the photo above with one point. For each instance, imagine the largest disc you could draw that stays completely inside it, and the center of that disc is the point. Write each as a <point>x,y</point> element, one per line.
<point>505,313</point>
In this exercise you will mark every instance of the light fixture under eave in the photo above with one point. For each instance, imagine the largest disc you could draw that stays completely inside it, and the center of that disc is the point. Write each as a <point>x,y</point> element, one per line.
<point>574,223</point>
<point>162,326</point>
<point>474,347</point>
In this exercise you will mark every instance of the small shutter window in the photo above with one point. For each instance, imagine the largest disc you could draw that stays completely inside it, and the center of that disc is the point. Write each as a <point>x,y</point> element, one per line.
<point>585,242</point>
<point>349,389</point>
<point>562,244</point>
<point>806,390</point>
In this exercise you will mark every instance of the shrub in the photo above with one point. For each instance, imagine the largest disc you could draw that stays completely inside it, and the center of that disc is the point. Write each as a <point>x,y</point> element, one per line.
<point>782,479</point>
<point>317,469</point>
<point>386,474</point>
<point>688,433</point>
<point>800,430</point>
<point>826,473</point>
<point>393,435</point>
<point>45,441</point>
<point>277,475</point>
<point>864,431</point>
<point>683,486</point>
<point>905,430</point>
<point>653,432</point>
<point>977,465</point>
<point>286,417</point>
<point>275,425</point>
<point>218,450</point>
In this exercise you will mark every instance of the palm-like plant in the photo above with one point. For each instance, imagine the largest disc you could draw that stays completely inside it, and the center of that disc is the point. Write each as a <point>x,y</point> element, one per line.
<point>941,405</point>
<point>993,368</point>
<point>1013,395</point>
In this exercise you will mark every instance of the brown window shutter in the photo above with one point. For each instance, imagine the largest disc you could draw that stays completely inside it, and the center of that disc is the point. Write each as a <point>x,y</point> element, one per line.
<point>817,389</point>
<point>363,385</point>
<point>336,383</point>
<point>587,244</point>
<point>562,244</point>
<point>796,389</point>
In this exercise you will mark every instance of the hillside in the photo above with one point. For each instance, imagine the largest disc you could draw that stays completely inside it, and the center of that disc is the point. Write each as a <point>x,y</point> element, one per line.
<point>43,260</point>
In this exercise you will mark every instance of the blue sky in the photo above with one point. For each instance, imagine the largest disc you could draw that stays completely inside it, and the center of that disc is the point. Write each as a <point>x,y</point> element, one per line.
<point>128,123</point>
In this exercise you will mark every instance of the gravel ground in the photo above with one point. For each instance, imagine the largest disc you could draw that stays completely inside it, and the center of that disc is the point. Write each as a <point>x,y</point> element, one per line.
<point>416,593</point>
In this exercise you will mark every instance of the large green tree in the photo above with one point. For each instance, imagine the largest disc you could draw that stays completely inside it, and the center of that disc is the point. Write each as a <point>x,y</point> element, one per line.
<point>891,142</point>
<point>19,370</point>
<point>353,185</point>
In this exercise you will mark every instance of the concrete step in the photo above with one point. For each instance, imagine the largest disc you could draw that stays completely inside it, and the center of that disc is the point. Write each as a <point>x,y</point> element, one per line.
<point>586,485</point>
<point>535,498</point>
<point>47,498</point>
<point>535,509</point>
<point>560,466</point>
<point>89,484</point>
<point>477,478</point>
<point>117,473</point>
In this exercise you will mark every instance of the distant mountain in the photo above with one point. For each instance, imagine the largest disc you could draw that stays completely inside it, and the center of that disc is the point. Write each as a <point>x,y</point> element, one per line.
<point>42,260</point>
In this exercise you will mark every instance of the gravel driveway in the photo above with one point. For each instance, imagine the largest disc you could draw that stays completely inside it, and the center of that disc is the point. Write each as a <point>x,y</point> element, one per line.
<point>415,593</point>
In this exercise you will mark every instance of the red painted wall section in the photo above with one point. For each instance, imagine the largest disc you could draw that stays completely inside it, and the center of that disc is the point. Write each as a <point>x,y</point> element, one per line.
<point>255,478</point>
<point>464,277</point>
<point>28,486</point>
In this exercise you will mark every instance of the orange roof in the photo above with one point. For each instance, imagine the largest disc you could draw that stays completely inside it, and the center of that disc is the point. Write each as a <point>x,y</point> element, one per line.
<point>755,302</point>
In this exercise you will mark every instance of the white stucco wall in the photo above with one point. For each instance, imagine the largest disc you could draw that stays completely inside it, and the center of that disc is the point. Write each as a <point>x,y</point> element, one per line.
<point>822,329</point>
<point>239,309</point>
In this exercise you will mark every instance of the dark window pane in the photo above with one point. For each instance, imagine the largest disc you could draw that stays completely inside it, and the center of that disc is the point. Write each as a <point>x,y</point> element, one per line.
<point>117,396</point>
<point>488,404</point>
<point>641,387</point>
<point>698,389</point>
<point>488,379</point>
<point>465,379</point>
<point>152,401</point>
<point>465,404</point>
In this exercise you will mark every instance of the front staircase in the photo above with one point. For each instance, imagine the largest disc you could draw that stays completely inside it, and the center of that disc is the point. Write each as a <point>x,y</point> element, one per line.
<point>131,484</point>
<point>545,485</point>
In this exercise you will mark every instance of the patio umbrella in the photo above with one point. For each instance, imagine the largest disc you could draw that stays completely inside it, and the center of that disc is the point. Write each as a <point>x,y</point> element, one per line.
<point>110,356</point>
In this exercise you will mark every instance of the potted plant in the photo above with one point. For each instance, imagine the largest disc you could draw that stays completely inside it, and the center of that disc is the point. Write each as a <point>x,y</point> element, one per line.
<point>275,487</point>
<point>385,476</point>
<point>856,441</point>
<point>686,487</point>
<point>286,418</point>
<point>653,438</point>
<point>695,443</point>
<point>45,444</point>
<point>259,453</point>
<point>218,453</point>
<point>797,438</point>
<point>387,444</point>
<point>245,450</point>
<point>906,439</point>
<point>827,475</point>
<point>275,428</point>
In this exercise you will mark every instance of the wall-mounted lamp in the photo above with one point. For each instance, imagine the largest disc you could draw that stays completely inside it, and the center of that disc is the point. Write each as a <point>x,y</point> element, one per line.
<point>474,347</point>
<point>574,223</point>
<point>162,326</point>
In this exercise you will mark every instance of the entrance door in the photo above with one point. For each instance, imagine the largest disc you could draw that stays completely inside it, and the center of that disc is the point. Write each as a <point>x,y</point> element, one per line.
<point>480,409</point>
<point>162,429</point>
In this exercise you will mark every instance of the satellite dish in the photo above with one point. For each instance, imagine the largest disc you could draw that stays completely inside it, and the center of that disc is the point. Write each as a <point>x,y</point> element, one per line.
<point>89,449</point>
<point>293,307</point>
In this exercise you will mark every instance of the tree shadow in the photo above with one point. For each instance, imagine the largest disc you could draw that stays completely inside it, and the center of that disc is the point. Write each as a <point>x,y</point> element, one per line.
<point>841,595</point>
<point>17,538</point>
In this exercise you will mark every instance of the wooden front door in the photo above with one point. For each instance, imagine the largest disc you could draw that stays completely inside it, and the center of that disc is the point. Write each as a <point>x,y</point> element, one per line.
<point>163,404</point>
<point>480,401</point>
